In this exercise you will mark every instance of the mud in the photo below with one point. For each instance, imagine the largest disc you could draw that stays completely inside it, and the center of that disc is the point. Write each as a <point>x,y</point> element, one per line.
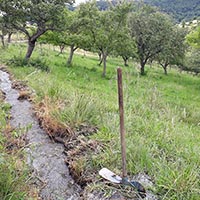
<point>44,156</point>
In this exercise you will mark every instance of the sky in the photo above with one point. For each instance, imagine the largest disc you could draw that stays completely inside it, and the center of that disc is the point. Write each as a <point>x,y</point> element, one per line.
<point>79,1</point>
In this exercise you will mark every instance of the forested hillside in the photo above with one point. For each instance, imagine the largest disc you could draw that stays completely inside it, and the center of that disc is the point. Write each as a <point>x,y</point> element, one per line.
<point>180,10</point>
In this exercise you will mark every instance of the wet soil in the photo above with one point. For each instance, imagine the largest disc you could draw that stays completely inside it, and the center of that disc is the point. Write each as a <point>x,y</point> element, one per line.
<point>44,156</point>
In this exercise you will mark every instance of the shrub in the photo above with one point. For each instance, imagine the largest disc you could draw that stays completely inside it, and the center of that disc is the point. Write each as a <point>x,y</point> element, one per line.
<point>34,62</point>
<point>192,62</point>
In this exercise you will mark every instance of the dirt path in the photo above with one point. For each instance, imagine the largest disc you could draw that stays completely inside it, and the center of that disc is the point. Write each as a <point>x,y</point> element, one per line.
<point>45,157</point>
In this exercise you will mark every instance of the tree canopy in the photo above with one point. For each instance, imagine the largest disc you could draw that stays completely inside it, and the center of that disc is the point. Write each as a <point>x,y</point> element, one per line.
<point>33,17</point>
<point>103,27</point>
<point>192,61</point>
<point>193,38</point>
<point>173,49</point>
<point>150,29</point>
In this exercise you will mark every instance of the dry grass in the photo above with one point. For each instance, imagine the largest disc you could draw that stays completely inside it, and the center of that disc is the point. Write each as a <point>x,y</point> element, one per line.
<point>24,95</point>
<point>53,127</point>
<point>79,151</point>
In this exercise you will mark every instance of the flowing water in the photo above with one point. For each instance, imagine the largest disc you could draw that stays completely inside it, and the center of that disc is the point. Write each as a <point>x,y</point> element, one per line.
<point>45,157</point>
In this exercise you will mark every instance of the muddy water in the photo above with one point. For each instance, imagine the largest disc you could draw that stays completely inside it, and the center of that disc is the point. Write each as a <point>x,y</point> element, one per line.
<point>43,155</point>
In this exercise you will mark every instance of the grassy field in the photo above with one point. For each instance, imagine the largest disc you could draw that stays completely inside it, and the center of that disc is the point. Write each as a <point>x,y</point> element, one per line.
<point>162,116</point>
<point>13,171</point>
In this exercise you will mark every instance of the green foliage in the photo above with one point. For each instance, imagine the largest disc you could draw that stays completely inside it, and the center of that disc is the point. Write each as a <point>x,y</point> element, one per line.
<point>33,18</point>
<point>12,178</point>
<point>192,61</point>
<point>124,46</point>
<point>193,38</point>
<point>174,49</point>
<point>37,63</point>
<point>81,109</point>
<point>150,29</point>
<point>103,27</point>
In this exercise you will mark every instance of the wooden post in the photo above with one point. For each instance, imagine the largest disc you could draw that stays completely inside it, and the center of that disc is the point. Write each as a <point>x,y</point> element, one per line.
<point>122,129</point>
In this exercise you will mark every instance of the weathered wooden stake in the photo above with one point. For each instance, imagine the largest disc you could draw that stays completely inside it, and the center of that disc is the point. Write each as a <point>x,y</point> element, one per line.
<point>122,129</point>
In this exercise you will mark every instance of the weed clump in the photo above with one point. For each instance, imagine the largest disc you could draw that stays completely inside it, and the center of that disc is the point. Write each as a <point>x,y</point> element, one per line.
<point>12,173</point>
<point>37,63</point>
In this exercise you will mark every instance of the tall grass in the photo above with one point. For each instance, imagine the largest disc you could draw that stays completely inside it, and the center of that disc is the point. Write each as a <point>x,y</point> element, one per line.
<point>161,117</point>
<point>12,171</point>
<point>12,185</point>
<point>80,109</point>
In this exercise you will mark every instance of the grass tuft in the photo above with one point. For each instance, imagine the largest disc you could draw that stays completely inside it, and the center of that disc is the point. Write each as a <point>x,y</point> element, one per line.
<point>38,63</point>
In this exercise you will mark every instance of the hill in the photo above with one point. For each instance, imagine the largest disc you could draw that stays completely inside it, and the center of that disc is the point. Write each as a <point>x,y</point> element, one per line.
<point>162,117</point>
<point>180,10</point>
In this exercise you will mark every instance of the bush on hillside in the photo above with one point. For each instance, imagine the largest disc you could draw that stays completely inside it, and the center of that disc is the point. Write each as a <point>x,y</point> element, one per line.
<point>35,62</point>
<point>192,62</point>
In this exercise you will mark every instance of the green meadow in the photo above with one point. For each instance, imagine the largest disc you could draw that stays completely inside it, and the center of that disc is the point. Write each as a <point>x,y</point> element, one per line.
<point>162,114</point>
<point>13,172</point>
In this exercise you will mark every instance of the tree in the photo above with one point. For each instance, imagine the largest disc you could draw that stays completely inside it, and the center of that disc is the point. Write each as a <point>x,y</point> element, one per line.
<point>174,49</point>
<point>33,17</point>
<point>2,31</point>
<point>150,29</point>
<point>55,38</point>
<point>192,60</point>
<point>124,46</point>
<point>103,26</point>
<point>75,36</point>
<point>193,38</point>
<point>71,35</point>
<point>5,30</point>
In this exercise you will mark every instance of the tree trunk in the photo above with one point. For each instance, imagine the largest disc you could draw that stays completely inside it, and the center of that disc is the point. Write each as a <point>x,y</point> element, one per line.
<point>125,61</point>
<point>9,37</point>
<point>62,48</point>
<point>72,49</point>
<point>165,69</point>
<point>142,64</point>
<point>32,40</point>
<point>100,62</point>
<point>104,57</point>
<point>99,54</point>
<point>31,46</point>
<point>100,58</point>
<point>2,40</point>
